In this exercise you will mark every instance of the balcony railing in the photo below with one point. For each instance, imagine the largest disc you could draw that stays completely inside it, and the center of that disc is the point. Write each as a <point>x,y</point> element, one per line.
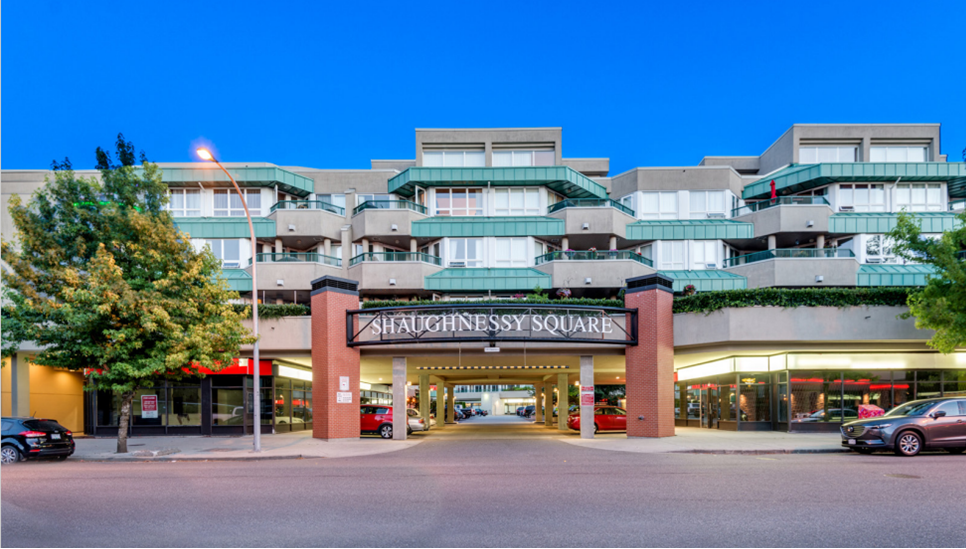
<point>389,205</point>
<point>589,203</point>
<point>790,253</point>
<point>957,205</point>
<point>592,256</point>
<point>307,205</point>
<point>780,201</point>
<point>395,256</point>
<point>297,257</point>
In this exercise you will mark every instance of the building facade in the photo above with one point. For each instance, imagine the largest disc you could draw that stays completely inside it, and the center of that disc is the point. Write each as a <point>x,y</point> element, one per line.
<point>498,213</point>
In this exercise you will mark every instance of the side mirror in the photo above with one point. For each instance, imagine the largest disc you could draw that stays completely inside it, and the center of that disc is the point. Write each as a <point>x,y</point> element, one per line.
<point>938,414</point>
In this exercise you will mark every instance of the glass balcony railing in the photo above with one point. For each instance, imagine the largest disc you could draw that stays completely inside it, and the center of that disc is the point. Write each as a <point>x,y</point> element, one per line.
<point>957,205</point>
<point>297,257</point>
<point>780,201</point>
<point>307,205</point>
<point>589,203</point>
<point>389,205</point>
<point>395,256</point>
<point>789,253</point>
<point>576,255</point>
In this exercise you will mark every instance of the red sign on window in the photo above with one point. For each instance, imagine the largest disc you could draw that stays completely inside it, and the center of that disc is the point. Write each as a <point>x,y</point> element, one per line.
<point>149,406</point>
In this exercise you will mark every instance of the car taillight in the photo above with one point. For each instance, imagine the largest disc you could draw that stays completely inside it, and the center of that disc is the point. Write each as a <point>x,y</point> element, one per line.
<point>421,420</point>
<point>32,434</point>
<point>68,433</point>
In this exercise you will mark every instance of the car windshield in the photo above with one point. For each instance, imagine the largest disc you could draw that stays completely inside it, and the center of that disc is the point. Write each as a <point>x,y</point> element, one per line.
<point>911,409</point>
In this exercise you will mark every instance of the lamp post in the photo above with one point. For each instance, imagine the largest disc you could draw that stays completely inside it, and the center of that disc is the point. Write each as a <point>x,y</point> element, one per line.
<point>257,411</point>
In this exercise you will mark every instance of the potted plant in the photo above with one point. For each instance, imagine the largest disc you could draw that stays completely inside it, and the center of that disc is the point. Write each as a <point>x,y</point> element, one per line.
<point>592,253</point>
<point>690,289</point>
<point>570,253</point>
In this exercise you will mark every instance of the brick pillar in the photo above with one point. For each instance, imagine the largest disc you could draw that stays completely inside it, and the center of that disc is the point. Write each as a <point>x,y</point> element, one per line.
<point>650,363</point>
<point>332,359</point>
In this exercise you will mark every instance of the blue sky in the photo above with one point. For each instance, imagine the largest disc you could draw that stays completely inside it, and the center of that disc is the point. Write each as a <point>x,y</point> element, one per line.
<point>332,85</point>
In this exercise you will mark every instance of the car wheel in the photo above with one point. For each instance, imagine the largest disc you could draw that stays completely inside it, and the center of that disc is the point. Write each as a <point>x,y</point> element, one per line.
<point>9,454</point>
<point>596,429</point>
<point>956,450</point>
<point>908,444</point>
<point>386,431</point>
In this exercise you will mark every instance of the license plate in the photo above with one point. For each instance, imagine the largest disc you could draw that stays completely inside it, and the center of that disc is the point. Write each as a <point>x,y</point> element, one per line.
<point>851,441</point>
<point>55,436</point>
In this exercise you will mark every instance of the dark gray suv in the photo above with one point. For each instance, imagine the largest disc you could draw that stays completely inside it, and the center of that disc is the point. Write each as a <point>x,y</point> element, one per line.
<point>910,428</point>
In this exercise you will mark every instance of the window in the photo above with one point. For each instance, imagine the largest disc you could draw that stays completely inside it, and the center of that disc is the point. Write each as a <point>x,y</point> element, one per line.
<point>705,202</point>
<point>672,255</point>
<point>628,201</point>
<point>511,252</point>
<point>228,251</point>
<point>647,252</point>
<point>184,202</point>
<point>383,198</point>
<point>814,155</point>
<point>334,199</point>
<point>897,154</point>
<point>704,252</point>
<point>517,201</point>
<point>659,205</point>
<point>228,204</point>
<point>454,159</point>
<point>503,159</point>
<point>951,407</point>
<point>459,201</point>
<point>919,197</point>
<point>468,251</point>
<point>878,249</point>
<point>864,197</point>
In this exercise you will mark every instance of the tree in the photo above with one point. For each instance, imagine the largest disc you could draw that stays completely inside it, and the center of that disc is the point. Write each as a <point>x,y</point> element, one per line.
<point>104,282</point>
<point>941,304</point>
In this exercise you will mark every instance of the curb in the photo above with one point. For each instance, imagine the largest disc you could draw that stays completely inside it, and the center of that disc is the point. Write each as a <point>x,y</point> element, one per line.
<point>765,452</point>
<point>172,458</point>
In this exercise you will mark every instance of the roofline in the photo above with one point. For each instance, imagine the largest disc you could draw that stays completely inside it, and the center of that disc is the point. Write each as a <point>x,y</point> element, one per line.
<point>485,129</point>
<point>588,158</point>
<point>722,167</point>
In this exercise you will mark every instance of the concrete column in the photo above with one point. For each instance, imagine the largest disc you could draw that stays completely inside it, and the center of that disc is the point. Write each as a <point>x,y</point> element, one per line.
<point>451,404</point>
<point>327,247</point>
<point>278,246</point>
<point>650,363</point>
<point>865,150</point>
<point>365,245</point>
<point>413,245</point>
<point>399,418</point>
<point>548,404</point>
<point>19,386</point>
<point>563,401</point>
<point>424,399</point>
<point>335,376</point>
<point>772,242</point>
<point>346,248</point>
<point>564,243</point>
<point>586,410</point>
<point>537,393</point>
<point>440,401</point>
<point>613,243</point>
<point>820,241</point>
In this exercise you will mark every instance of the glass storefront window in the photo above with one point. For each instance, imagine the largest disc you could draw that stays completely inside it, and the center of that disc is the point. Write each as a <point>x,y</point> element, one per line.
<point>954,383</point>
<point>227,406</point>
<point>678,413</point>
<point>108,409</point>
<point>755,399</point>
<point>867,388</point>
<point>783,402</point>
<point>816,397</point>
<point>185,405</point>
<point>727,407</point>
<point>283,403</point>
<point>302,402</point>
<point>157,417</point>
<point>694,402</point>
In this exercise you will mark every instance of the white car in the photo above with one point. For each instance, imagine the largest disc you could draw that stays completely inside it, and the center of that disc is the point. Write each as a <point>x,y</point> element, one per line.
<point>416,423</point>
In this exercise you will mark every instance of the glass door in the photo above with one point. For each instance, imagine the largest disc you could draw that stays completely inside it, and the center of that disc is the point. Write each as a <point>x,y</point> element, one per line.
<point>710,406</point>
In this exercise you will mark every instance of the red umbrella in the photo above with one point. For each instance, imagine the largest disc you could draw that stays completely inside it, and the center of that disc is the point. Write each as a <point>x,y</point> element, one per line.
<point>774,193</point>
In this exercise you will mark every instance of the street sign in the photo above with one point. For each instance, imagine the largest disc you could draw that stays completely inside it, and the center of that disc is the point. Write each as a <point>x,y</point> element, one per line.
<point>343,383</point>
<point>343,398</point>
<point>149,406</point>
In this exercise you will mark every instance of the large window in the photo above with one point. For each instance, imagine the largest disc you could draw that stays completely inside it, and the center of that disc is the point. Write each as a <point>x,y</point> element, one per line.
<point>459,202</point>
<point>863,197</point>
<point>878,249</point>
<point>517,201</point>
<point>228,251</point>
<point>511,252</point>
<point>705,202</point>
<point>466,251</point>
<point>814,155</point>
<point>503,159</point>
<point>184,202</point>
<point>659,205</point>
<point>897,154</point>
<point>704,254</point>
<point>454,159</point>
<point>919,197</point>
<point>672,255</point>
<point>334,199</point>
<point>228,204</point>
<point>383,198</point>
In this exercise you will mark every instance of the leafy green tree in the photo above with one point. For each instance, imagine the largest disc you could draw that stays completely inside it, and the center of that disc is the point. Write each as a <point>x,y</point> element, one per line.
<point>941,304</point>
<point>104,282</point>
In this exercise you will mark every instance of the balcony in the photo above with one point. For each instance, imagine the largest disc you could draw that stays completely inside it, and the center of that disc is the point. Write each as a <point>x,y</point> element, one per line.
<point>794,215</point>
<point>592,216</point>
<point>386,217</point>
<point>590,203</point>
<point>296,271</point>
<point>295,219</point>
<point>780,201</point>
<point>396,257</point>
<point>801,177</point>
<point>592,269</point>
<point>392,272</point>
<point>560,179</point>
<point>796,267</point>
<point>307,205</point>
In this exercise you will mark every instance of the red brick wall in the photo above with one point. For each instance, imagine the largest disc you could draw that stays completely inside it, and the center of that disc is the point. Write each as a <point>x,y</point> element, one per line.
<point>650,366</point>
<point>331,358</point>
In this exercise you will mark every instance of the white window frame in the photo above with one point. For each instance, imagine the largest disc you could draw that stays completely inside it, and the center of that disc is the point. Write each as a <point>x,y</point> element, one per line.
<point>898,153</point>
<point>884,244</point>
<point>906,198</point>
<point>218,248</point>
<point>531,201</point>
<point>699,254</point>
<point>519,158</point>
<point>454,159</point>
<point>237,210</point>
<point>669,249</point>
<point>334,199</point>
<point>467,261</point>
<point>847,196</point>
<point>663,211</point>
<point>816,154</point>
<point>702,213</point>
<point>454,212</point>
<point>517,248</point>
<point>184,211</point>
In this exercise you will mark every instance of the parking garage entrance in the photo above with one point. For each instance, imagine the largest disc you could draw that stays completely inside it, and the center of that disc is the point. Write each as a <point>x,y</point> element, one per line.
<point>547,346</point>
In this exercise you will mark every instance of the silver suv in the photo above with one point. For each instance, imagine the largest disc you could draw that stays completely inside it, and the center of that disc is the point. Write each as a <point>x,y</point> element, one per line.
<point>908,429</point>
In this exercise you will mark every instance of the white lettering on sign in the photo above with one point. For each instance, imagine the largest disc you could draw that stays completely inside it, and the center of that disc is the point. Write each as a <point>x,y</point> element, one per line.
<point>554,324</point>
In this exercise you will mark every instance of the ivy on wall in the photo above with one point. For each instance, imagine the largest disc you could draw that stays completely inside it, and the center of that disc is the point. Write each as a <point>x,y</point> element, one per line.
<point>706,302</point>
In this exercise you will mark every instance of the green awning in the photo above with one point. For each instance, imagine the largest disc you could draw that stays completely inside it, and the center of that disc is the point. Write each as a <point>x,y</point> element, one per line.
<point>436,227</point>
<point>883,222</point>
<point>801,177</point>
<point>238,279</point>
<point>893,275</point>
<point>225,227</point>
<point>481,280</point>
<point>562,179</point>
<point>706,280</point>
<point>690,229</point>
<point>288,182</point>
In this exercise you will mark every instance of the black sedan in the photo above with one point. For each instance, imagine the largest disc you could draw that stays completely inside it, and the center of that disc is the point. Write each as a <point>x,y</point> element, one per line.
<point>30,437</point>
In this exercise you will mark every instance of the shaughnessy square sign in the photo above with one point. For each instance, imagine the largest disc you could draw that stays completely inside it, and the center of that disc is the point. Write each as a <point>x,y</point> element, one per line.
<point>502,322</point>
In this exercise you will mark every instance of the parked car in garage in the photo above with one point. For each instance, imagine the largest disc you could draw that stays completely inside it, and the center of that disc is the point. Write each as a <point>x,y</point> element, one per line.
<point>529,411</point>
<point>416,422</point>
<point>377,420</point>
<point>911,428</point>
<point>520,410</point>
<point>606,418</point>
<point>480,411</point>
<point>30,437</point>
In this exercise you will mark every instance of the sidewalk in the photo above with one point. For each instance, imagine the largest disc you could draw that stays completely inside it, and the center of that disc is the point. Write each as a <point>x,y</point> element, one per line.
<point>692,440</point>
<point>280,446</point>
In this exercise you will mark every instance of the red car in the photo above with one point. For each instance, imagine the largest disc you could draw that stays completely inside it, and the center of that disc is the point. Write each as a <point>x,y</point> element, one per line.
<point>377,420</point>
<point>606,418</point>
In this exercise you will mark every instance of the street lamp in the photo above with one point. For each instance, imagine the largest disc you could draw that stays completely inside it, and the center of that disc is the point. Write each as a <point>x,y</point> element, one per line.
<point>257,412</point>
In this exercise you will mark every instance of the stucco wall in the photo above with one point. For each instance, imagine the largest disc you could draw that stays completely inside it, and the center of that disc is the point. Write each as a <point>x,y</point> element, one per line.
<point>799,272</point>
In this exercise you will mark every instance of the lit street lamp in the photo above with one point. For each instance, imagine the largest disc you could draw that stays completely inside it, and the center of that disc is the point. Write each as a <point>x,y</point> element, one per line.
<point>256,419</point>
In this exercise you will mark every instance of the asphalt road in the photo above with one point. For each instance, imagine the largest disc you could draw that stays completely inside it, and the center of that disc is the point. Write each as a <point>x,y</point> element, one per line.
<point>493,492</point>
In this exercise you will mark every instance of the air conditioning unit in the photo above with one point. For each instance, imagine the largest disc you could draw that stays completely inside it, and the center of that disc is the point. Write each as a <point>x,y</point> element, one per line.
<point>711,265</point>
<point>873,260</point>
<point>846,208</point>
<point>291,227</point>
<point>716,215</point>
<point>457,264</point>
